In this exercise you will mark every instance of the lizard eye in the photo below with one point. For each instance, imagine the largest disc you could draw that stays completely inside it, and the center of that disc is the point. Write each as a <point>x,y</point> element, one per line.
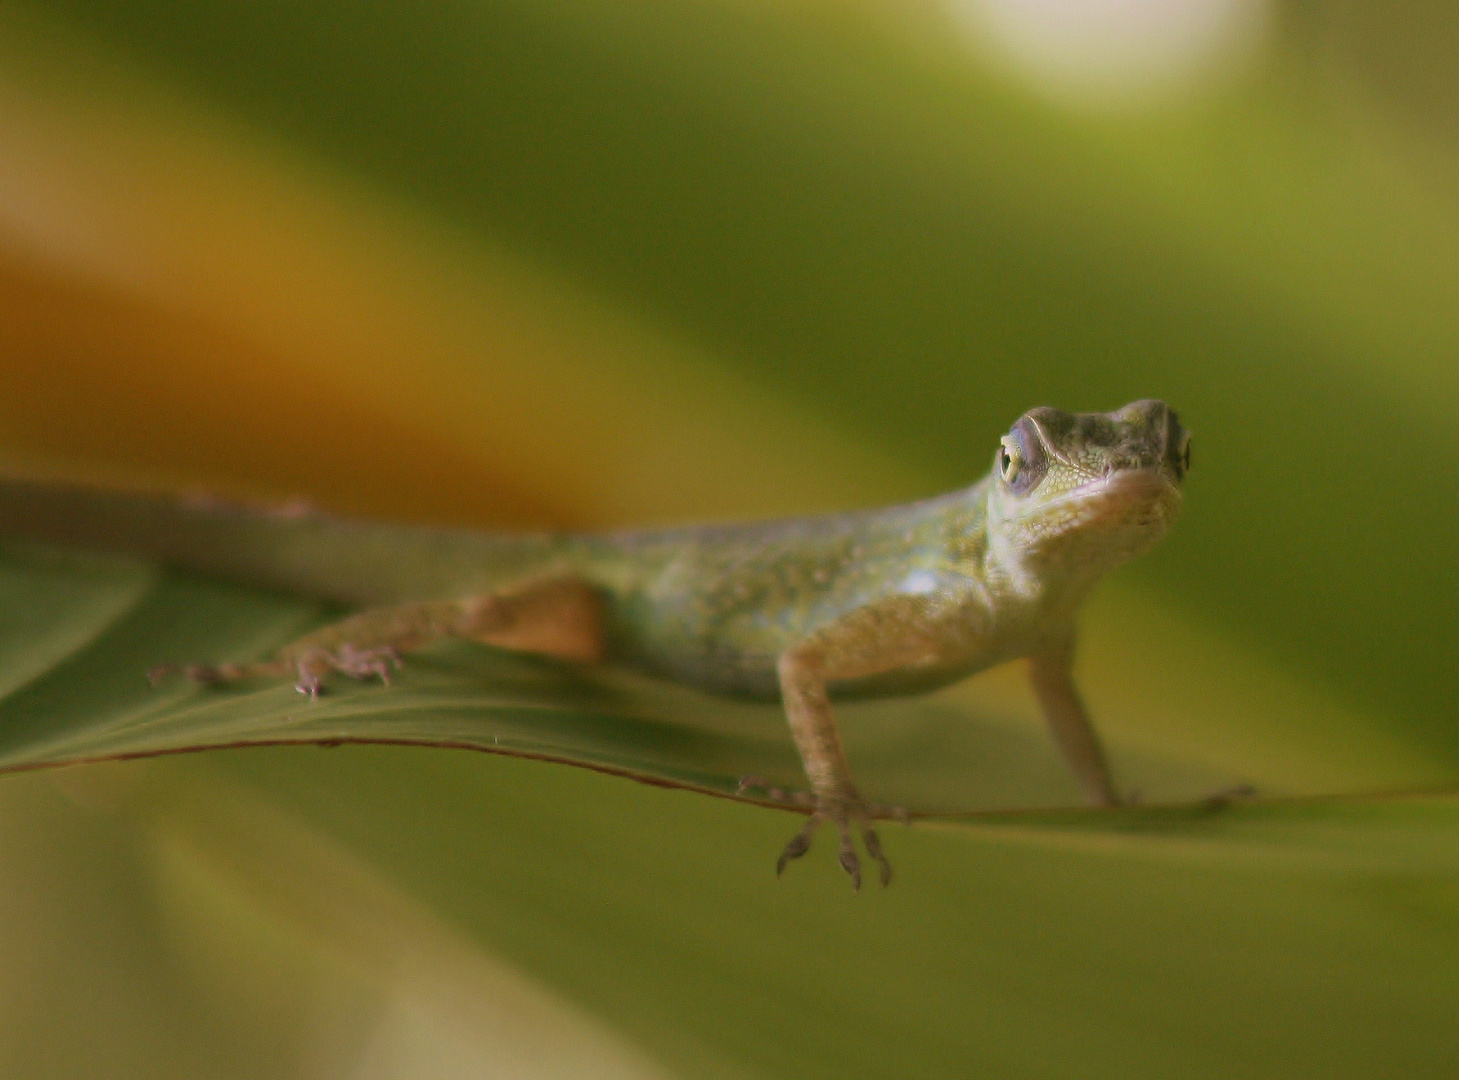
<point>1009,461</point>
<point>1183,456</point>
<point>1021,462</point>
<point>1177,446</point>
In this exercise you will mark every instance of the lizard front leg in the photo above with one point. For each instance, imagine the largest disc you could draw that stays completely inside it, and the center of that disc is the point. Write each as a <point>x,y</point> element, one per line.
<point>555,616</point>
<point>871,640</point>
<point>1051,673</point>
<point>808,710</point>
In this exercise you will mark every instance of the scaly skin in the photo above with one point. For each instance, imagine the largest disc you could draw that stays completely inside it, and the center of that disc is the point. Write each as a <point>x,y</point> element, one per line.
<point>867,603</point>
<point>908,598</point>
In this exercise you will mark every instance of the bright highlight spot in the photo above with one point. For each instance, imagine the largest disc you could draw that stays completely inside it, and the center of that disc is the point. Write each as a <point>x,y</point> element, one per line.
<point>1097,53</point>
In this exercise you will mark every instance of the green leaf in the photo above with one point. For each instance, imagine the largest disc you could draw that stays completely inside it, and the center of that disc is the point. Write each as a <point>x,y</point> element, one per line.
<point>1283,941</point>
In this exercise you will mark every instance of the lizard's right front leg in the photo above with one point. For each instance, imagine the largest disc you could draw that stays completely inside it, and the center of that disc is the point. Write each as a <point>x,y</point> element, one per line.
<point>803,673</point>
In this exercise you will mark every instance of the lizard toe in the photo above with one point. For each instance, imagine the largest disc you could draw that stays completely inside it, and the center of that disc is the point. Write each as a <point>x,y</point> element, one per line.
<point>872,843</point>
<point>848,816</point>
<point>773,792</point>
<point>799,844</point>
<point>847,857</point>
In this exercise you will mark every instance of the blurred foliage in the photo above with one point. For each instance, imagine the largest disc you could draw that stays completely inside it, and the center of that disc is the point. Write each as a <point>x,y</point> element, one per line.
<point>594,263</point>
<point>857,217</point>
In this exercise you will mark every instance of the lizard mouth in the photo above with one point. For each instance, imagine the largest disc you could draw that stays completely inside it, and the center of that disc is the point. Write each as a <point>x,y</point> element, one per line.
<point>1123,487</point>
<point>1127,506</point>
<point>1146,482</point>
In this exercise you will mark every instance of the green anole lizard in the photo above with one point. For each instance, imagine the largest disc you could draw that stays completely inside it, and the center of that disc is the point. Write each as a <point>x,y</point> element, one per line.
<point>806,610</point>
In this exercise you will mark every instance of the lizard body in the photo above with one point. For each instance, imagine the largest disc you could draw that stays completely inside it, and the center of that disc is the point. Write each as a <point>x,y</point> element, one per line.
<point>871,602</point>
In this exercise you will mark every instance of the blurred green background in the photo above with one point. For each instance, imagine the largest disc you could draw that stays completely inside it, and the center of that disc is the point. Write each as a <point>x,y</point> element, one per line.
<point>591,263</point>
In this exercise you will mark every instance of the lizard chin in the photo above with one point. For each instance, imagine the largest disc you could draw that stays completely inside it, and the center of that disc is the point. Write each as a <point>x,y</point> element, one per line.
<point>1102,522</point>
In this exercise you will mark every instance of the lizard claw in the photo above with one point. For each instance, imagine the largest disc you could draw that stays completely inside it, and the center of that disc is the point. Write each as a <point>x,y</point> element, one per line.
<point>846,856</point>
<point>347,660</point>
<point>799,844</point>
<point>750,780</point>
<point>308,684</point>
<point>773,793</point>
<point>310,668</point>
<point>873,848</point>
<point>842,813</point>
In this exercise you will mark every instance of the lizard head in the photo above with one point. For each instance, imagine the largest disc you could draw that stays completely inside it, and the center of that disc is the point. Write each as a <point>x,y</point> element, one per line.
<point>1082,492</point>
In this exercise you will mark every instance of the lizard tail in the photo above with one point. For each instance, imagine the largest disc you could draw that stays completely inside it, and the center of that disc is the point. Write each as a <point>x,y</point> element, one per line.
<point>291,548</point>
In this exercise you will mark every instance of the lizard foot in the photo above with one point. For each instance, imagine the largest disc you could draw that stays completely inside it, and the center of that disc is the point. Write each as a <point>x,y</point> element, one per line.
<point>347,660</point>
<point>784,796</point>
<point>789,797</point>
<point>845,814</point>
<point>310,668</point>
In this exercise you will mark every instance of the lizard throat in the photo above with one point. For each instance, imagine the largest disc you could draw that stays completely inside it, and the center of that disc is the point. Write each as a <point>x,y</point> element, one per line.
<point>1079,534</point>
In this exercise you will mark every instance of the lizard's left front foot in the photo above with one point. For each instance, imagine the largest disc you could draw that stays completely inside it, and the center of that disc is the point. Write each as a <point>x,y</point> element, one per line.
<point>845,812</point>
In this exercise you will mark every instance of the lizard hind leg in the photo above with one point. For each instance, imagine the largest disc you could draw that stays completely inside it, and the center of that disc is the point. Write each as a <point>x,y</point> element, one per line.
<point>557,616</point>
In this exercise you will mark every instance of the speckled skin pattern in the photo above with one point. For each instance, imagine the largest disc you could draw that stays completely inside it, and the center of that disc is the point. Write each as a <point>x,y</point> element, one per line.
<point>904,599</point>
<point>716,607</point>
<point>983,575</point>
<point>872,602</point>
